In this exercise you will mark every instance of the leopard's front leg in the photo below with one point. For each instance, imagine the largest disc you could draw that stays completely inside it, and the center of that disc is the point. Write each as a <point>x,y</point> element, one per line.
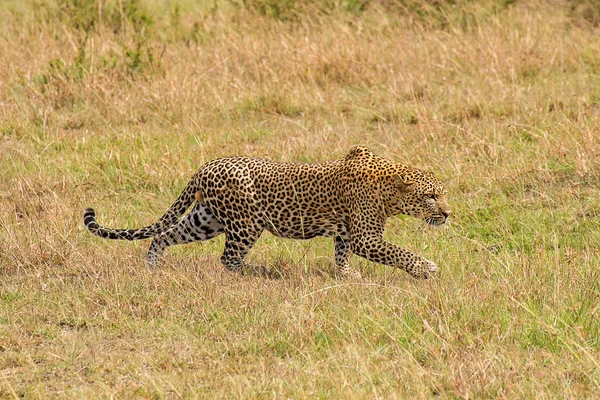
<point>376,249</point>
<point>367,223</point>
<point>342,258</point>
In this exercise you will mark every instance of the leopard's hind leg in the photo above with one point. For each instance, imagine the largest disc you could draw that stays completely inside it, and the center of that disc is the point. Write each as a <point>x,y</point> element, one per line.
<point>199,224</point>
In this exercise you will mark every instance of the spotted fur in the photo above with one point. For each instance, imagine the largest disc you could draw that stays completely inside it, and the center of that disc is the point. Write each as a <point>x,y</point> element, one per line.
<point>348,199</point>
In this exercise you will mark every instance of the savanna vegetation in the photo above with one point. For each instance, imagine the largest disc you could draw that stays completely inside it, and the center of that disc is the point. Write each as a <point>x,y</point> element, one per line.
<point>115,103</point>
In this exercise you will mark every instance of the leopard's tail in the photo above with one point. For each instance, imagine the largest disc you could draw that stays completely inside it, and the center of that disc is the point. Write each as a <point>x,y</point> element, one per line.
<point>183,202</point>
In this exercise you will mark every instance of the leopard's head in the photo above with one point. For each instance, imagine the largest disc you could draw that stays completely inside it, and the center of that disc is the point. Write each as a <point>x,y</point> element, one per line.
<point>419,194</point>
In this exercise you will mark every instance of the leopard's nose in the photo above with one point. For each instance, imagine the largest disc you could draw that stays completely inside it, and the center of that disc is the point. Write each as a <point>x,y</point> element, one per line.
<point>446,213</point>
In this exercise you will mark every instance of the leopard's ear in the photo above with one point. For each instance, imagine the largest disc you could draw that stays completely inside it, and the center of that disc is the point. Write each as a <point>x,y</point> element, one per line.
<point>403,184</point>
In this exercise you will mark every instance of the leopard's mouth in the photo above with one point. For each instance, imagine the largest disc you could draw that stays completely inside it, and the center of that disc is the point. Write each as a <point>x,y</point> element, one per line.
<point>436,220</point>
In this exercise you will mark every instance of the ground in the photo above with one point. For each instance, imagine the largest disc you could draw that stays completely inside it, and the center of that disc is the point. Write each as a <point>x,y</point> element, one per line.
<point>114,105</point>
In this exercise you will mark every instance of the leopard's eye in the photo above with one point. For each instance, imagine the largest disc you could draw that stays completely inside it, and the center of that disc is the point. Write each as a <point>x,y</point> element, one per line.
<point>431,196</point>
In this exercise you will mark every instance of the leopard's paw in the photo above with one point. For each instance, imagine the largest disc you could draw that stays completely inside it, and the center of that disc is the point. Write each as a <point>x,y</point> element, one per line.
<point>423,269</point>
<point>348,273</point>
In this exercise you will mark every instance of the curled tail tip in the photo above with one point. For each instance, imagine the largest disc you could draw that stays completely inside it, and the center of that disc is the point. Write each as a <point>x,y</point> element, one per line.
<point>89,220</point>
<point>89,216</point>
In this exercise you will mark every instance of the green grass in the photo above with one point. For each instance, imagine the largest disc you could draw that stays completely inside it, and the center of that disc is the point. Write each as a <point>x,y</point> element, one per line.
<point>117,109</point>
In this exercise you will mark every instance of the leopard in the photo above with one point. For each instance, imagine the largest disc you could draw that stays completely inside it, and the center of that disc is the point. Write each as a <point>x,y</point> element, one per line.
<point>347,199</point>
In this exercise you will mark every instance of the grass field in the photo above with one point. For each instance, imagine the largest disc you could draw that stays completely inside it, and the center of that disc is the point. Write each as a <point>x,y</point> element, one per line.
<point>115,104</point>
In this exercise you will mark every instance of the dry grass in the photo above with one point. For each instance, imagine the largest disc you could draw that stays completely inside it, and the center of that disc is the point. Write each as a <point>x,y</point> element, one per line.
<point>502,102</point>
